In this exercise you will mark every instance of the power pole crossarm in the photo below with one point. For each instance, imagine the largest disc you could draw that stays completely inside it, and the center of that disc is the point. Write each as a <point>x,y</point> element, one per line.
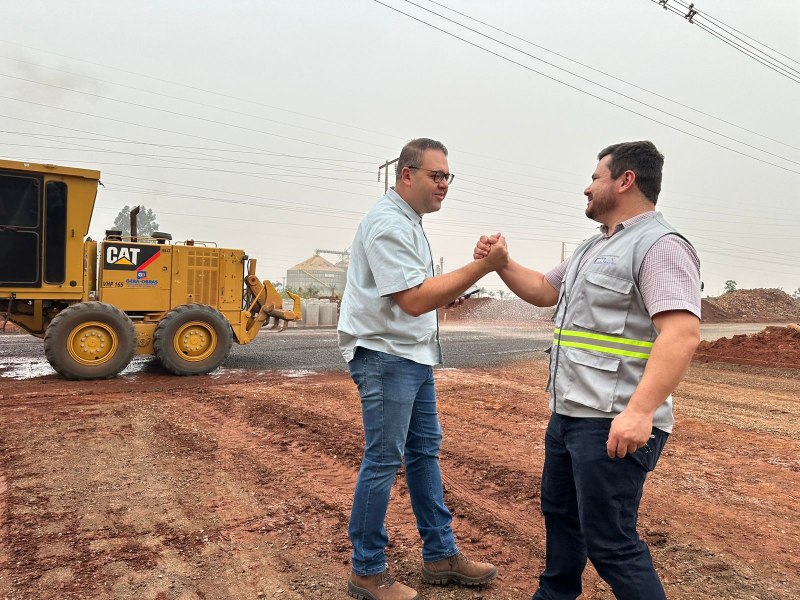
<point>386,177</point>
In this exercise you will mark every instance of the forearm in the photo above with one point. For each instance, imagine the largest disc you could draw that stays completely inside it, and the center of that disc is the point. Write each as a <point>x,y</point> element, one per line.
<point>528,284</point>
<point>441,290</point>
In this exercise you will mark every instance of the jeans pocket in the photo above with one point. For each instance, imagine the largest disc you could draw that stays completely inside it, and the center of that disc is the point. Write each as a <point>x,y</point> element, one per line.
<point>647,456</point>
<point>365,368</point>
<point>643,458</point>
<point>387,358</point>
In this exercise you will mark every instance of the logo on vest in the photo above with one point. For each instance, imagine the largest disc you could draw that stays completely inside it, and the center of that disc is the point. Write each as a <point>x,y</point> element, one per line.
<point>606,260</point>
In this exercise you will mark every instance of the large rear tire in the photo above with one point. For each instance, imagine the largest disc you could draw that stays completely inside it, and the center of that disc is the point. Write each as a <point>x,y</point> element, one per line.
<point>192,339</point>
<point>90,340</point>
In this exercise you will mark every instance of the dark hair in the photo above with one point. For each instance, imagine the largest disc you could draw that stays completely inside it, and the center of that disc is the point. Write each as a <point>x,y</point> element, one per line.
<point>643,158</point>
<point>411,154</point>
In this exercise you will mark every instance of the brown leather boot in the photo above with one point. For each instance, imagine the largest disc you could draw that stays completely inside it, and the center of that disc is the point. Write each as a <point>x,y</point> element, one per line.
<point>378,587</point>
<point>458,569</point>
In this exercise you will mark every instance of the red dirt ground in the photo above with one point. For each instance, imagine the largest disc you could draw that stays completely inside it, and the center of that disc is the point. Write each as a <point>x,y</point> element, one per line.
<point>774,346</point>
<point>239,485</point>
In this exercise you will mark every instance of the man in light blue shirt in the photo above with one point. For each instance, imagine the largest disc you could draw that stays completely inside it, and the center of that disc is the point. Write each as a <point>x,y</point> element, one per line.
<point>389,336</point>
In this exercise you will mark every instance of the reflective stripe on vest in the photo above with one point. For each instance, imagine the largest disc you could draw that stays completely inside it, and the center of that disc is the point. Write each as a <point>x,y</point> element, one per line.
<point>608,344</point>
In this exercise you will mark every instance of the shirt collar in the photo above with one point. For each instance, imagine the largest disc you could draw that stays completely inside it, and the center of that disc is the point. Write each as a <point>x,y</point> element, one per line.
<point>629,223</point>
<point>404,206</point>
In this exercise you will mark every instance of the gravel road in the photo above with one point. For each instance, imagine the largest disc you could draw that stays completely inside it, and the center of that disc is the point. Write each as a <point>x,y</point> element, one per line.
<point>464,346</point>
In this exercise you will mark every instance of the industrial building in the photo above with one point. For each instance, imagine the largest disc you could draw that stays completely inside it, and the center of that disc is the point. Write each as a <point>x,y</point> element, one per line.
<point>320,275</point>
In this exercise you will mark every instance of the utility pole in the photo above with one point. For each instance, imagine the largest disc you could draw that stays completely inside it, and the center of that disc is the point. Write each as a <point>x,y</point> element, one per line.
<point>386,177</point>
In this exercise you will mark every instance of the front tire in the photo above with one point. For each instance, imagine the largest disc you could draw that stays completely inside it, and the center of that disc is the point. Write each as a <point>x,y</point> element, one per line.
<point>90,340</point>
<point>192,339</point>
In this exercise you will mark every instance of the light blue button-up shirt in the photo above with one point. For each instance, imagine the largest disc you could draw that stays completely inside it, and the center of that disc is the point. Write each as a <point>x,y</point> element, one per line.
<point>390,253</point>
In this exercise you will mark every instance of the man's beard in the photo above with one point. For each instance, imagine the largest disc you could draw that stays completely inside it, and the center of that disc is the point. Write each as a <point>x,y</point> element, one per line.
<point>599,206</point>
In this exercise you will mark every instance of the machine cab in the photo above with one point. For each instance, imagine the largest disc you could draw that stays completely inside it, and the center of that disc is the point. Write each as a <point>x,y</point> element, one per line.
<point>44,216</point>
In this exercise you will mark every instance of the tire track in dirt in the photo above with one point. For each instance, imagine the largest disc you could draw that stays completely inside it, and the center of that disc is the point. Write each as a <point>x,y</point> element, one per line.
<point>109,539</point>
<point>193,487</point>
<point>696,565</point>
<point>270,452</point>
<point>5,558</point>
<point>769,396</point>
<point>316,439</point>
<point>56,545</point>
<point>723,470</point>
<point>518,541</point>
<point>321,477</point>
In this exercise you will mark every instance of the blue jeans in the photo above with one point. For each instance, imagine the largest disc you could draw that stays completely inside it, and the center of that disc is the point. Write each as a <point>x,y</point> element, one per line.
<point>398,407</point>
<point>591,504</point>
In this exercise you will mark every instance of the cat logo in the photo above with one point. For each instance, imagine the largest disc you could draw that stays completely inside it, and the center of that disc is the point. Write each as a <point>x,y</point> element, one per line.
<point>116,255</point>
<point>119,257</point>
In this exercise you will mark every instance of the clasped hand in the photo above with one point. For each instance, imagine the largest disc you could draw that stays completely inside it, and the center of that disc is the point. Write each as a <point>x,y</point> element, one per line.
<point>492,248</point>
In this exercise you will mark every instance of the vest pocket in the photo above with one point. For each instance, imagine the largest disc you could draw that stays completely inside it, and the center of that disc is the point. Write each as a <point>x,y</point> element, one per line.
<point>604,303</point>
<point>592,379</point>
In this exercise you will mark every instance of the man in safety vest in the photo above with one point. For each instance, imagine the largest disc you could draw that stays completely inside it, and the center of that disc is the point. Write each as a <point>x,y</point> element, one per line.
<point>627,322</point>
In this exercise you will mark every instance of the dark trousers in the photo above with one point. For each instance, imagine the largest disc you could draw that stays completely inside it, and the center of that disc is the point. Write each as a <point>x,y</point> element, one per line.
<point>591,504</point>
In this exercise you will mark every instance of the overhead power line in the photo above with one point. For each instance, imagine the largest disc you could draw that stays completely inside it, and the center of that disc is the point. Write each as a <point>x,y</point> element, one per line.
<point>181,147</point>
<point>600,85</point>
<point>214,92</point>
<point>299,170</point>
<point>168,112</point>
<point>596,96</point>
<point>612,76</point>
<point>758,51</point>
<point>604,87</point>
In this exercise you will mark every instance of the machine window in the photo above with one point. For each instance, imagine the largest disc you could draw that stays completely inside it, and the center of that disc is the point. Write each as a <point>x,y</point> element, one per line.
<point>19,201</point>
<point>55,232</point>
<point>20,225</point>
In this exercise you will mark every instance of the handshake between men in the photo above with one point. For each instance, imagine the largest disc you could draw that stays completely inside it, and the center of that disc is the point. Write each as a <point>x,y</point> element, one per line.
<point>621,345</point>
<point>493,252</point>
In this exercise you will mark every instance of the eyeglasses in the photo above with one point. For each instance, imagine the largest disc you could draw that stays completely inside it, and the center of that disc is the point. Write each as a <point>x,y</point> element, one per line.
<point>437,176</point>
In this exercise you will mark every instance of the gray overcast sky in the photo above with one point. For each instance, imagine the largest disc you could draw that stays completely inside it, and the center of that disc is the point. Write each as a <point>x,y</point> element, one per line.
<point>261,124</point>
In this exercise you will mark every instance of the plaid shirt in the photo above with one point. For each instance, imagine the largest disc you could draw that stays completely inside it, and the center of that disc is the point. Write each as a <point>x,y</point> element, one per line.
<point>670,275</point>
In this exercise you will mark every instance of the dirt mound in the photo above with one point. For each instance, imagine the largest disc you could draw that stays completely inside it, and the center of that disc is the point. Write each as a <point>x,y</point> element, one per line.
<point>774,346</point>
<point>755,306</point>
<point>711,313</point>
<point>491,309</point>
<point>746,306</point>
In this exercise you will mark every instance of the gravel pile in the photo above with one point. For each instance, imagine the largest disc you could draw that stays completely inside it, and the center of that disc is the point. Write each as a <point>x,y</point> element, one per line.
<point>754,306</point>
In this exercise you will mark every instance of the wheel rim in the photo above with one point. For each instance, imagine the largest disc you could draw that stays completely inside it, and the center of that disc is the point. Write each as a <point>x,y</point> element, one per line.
<point>195,341</point>
<point>93,343</point>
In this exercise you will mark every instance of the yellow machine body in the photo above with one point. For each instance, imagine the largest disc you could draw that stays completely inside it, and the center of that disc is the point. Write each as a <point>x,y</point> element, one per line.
<point>149,279</point>
<point>192,296</point>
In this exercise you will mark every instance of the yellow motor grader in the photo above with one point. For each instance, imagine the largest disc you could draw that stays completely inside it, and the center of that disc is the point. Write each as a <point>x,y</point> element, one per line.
<point>96,304</point>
